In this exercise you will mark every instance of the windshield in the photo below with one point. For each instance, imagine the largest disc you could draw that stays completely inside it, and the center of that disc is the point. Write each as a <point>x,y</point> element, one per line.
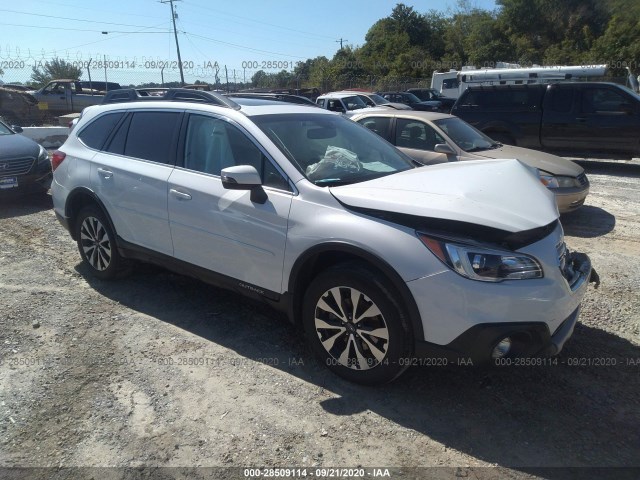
<point>411,98</point>
<point>353,103</point>
<point>5,130</point>
<point>465,136</point>
<point>330,149</point>
<point>378,100</point>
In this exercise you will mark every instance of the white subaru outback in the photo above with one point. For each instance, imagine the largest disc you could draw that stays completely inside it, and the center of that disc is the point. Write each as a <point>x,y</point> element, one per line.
<point>381,261</point>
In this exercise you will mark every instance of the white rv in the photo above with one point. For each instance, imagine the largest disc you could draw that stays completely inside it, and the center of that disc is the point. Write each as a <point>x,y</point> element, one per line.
<point>453,83</point>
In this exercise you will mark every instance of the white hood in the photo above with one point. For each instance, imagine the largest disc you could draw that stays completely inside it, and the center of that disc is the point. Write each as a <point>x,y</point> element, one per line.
<point>503,194</point>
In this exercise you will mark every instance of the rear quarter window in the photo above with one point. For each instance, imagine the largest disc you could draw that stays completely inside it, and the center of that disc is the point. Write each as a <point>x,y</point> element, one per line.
<point>96,133</point>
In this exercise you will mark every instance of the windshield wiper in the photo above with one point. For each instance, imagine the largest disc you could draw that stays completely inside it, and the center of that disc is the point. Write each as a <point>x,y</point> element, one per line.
<point>493,146</point>
<point>331,182</point>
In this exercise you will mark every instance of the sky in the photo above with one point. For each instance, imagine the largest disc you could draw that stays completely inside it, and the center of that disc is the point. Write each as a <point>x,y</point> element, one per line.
<point>243,35</point>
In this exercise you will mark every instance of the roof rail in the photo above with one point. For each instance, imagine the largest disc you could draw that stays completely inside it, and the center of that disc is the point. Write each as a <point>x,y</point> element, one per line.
<point>125,95</point>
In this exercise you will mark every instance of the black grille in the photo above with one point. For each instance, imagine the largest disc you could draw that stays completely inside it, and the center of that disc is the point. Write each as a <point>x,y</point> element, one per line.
<point>15,166</point>
<point>582,178</point>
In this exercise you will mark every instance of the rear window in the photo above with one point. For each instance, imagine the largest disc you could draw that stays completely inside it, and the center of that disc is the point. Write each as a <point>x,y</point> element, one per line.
<point>503,100</point>
<point>95,134</point>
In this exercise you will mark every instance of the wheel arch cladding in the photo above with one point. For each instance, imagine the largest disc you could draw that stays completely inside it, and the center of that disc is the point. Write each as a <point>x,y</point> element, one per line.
<point>321,257</point>
<point>76,201</point>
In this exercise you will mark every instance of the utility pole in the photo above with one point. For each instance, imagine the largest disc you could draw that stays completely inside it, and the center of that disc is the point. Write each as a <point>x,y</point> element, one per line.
<point>340,42</point>
<point>175,33</point>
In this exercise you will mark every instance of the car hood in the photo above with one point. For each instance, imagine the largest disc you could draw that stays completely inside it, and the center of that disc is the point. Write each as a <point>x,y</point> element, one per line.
<point>13,146</point>
<point>396,106</point>
<point>544,161</point>
<point>502,194</point>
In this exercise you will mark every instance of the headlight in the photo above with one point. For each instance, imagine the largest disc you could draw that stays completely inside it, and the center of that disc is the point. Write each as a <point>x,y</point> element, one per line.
<point>43,156</point>
<point>551,181</point>
<point>478,263</point>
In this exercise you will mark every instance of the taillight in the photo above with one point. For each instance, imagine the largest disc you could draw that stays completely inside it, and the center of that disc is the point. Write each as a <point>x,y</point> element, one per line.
<point>56,159</point>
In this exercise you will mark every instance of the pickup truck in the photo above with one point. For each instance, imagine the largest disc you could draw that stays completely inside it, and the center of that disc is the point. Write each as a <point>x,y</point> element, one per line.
<point>582,119</point>
<point>71,96</point>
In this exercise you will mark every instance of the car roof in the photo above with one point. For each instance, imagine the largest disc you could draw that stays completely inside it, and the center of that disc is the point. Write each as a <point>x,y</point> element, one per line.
<point>247,107</point>
<point>341,94</point>
<point>409,114</point>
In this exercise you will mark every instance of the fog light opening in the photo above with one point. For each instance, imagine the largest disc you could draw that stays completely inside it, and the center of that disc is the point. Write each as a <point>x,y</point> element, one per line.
<point>502,348</point>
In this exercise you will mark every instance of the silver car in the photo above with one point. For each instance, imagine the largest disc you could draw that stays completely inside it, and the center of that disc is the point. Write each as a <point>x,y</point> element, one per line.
<point>379,261</point>
<point>432,138</point>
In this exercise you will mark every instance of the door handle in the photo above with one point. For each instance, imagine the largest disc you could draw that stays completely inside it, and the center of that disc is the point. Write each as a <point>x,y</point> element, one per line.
<point>180,195</point>
<point>105,173</point>
<point>581,119</point>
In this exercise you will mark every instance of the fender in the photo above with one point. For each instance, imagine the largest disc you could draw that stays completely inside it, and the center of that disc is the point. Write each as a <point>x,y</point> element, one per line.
<point>305,263</point>
<point>70,213</point>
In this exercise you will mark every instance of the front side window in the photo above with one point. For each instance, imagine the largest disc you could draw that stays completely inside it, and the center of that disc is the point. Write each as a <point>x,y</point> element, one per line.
<point>331,150</point>
<point>418,135</point>
<point>596,100</point>
<point>213,144</point>
<point>152,136</point>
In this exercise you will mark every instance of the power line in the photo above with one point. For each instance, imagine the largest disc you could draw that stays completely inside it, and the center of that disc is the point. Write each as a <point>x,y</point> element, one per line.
<point>301,32</point>
<point>340,42</point>
<point>243,47</point>
<point>75,19</point>
<point>77,29</point>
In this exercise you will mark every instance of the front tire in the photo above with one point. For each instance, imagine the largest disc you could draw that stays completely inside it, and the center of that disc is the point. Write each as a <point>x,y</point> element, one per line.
<point>96,243</point>
<point>356,325</point>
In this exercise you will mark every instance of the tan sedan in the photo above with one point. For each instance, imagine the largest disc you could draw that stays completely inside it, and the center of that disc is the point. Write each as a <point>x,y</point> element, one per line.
<point>431,138</point>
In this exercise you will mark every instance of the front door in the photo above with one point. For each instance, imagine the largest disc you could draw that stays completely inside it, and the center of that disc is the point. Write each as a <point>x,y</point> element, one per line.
<point>223,230</point>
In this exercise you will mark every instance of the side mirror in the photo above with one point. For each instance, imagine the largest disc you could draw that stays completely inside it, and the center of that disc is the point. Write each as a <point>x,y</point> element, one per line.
<point>16,128</point>
<point>443,148</point>
<point>244,177</point>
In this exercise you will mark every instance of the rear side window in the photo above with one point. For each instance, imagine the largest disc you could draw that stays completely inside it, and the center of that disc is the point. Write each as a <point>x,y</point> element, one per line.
<point>95,134</point>
<point>503,99</point>
<point>152,136</point>
<point>561,99</point>
<point>379,125</point>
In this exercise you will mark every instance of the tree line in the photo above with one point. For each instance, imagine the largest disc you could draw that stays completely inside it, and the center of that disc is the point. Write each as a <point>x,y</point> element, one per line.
<point>410,44</point>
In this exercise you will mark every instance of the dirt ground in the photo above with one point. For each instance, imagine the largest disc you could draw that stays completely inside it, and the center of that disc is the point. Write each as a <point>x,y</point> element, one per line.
<point>160,370</point>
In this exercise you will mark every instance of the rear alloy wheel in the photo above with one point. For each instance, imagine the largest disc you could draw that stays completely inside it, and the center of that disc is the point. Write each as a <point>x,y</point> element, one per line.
<point>355,325</point>
<point>96,243</point>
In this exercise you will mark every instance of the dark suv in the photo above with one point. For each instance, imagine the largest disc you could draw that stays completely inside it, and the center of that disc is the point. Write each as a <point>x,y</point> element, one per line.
<point>432,95</point>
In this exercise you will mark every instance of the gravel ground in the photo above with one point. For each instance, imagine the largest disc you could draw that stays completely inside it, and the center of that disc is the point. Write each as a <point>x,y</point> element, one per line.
<point>159,370</point>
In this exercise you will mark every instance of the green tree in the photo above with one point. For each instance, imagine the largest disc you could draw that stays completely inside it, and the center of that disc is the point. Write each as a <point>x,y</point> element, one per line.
<point>56,68</point>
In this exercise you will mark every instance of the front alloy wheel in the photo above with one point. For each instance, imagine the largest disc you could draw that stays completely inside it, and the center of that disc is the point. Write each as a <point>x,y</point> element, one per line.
<point>351,328</point>
<point>357,325</point>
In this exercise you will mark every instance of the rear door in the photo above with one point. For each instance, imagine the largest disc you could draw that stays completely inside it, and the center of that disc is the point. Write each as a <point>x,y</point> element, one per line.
<point>223,230</point>
<point>130,176</point>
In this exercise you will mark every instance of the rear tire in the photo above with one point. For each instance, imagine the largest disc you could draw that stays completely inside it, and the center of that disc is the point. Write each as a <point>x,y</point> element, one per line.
<point>356,326</point>
<point>96,243</point>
